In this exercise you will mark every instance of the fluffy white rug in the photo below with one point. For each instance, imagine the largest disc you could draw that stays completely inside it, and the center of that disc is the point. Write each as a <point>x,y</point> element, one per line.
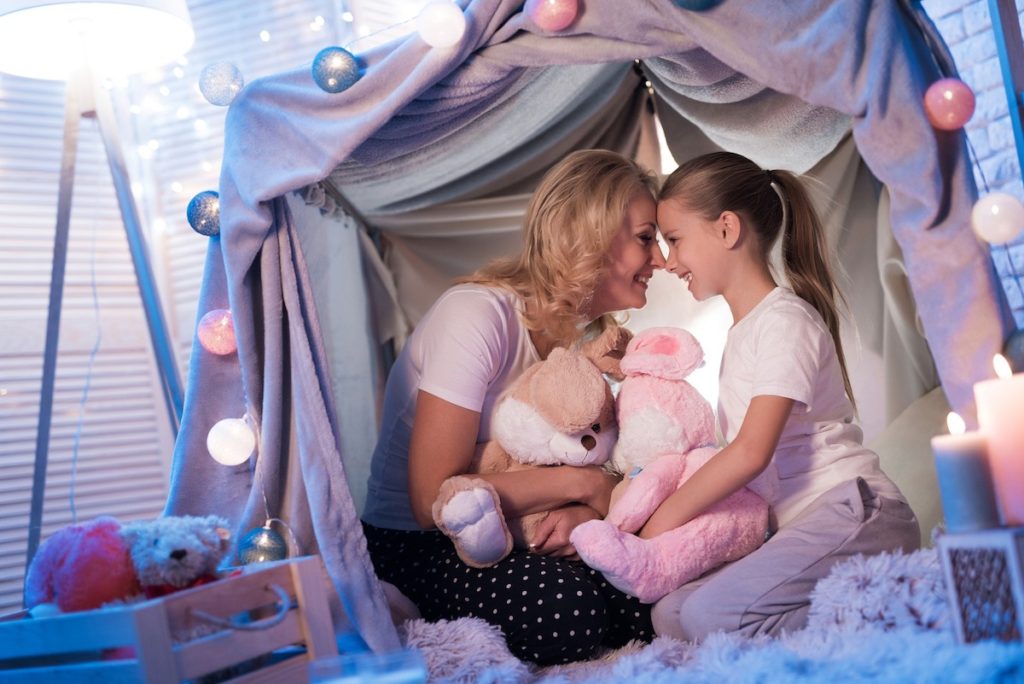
<point>878,619</point>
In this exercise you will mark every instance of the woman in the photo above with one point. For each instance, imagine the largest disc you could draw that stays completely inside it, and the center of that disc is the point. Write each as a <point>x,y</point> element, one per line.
<point>590,248</point>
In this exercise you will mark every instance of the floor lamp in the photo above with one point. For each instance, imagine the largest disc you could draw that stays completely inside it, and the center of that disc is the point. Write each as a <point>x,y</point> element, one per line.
<point>84,42</point>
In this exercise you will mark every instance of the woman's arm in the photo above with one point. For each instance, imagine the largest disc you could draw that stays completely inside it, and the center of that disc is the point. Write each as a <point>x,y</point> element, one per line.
<point>443,443</point>
<point>728,470</point>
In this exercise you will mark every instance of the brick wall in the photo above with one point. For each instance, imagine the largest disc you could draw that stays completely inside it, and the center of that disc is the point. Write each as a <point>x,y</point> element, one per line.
<point>966,26</point>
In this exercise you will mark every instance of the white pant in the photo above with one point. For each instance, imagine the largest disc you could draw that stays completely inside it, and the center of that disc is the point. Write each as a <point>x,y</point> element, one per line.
<point>768,592</point>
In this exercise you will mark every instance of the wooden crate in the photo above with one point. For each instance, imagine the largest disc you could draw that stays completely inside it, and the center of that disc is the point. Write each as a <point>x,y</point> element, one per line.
<point>173,639</point>
<point>985,581</point>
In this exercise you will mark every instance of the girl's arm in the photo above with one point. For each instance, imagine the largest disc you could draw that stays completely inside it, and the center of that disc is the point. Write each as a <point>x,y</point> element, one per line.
<point>731,468</point>
<point>442,445</point>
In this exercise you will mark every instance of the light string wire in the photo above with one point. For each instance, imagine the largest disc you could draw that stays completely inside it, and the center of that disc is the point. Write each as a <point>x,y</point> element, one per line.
<point>88,380</point>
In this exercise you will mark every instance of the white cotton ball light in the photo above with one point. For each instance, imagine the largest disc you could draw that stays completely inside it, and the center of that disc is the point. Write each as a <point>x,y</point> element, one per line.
<point>441,23</point>
<point>231,441</point>
<point>997,218</point>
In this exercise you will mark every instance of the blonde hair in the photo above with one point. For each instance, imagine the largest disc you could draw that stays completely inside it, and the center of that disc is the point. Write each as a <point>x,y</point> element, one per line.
<point>568,228</point>
<point>725,181</point>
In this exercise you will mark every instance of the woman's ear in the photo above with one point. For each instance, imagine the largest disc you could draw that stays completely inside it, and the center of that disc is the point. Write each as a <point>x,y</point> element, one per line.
<point>729,228</point>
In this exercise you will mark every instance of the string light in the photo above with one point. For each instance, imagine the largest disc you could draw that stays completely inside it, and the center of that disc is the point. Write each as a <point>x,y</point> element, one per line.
<point>220,83</point>
<point>265,36</point>
<point>335,69</point>
<point>203,213</point>
<point>949,104</point>
<point>231,441</point>
<point>216,332</point>
<point>997,218</point>
<point>441,23</point>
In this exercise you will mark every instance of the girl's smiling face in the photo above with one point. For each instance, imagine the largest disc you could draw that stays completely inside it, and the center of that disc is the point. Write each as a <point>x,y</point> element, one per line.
<point>695,254</point>
<point>633,256</point>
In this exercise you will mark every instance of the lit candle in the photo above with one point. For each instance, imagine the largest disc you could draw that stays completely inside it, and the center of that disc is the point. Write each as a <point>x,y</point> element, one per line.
<point>1001,417</point>
<point>965,482</point>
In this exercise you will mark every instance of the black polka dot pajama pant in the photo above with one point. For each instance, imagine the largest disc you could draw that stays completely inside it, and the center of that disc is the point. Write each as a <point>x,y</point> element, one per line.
<point>551,610</point>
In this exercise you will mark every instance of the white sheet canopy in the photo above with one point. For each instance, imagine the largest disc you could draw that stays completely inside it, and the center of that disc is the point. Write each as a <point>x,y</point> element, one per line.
<point>437,150</point>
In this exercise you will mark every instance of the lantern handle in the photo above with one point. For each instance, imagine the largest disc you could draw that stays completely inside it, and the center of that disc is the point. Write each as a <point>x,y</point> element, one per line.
<point>283,604</point>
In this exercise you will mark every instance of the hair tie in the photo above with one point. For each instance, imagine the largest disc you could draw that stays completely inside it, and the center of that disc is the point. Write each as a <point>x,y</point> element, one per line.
<point>771,176</point>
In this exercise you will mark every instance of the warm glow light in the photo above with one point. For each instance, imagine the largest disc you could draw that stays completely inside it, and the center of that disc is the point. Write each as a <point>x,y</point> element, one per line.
<point>49,40</point>
<point>265,36</point>
<point>441,23</point>
<point>1001,366</point>
<point>955,423</point>
<point>231,441</point>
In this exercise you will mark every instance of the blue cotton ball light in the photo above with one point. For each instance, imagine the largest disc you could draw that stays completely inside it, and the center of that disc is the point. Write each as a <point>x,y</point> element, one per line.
<point>335,69</point>
<point>220,83</point>
<point>262,544</point>
<point>203,213</point>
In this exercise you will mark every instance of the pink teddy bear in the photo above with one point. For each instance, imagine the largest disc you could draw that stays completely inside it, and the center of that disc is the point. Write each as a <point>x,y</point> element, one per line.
<point>667,432</point>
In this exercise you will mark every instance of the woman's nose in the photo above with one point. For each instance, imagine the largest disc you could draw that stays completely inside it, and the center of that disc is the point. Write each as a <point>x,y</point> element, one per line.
<point>657,256</point>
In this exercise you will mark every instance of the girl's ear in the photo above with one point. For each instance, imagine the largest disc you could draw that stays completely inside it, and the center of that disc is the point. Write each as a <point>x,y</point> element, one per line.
<point>729,228</point>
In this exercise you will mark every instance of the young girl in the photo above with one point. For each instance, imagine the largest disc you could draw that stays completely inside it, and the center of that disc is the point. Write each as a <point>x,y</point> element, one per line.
<point>590,248</point>
<point>784,400</point>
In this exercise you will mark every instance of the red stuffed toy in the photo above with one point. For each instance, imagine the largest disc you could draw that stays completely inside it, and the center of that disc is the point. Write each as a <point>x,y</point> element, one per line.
<point>81,567</point>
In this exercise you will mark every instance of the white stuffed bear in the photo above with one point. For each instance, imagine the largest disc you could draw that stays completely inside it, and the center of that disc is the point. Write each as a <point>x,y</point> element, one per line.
<point>560,411</point>
<point>173,552</point>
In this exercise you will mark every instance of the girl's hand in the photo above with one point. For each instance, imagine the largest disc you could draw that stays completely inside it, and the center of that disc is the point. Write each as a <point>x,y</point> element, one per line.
<point>551,538</point>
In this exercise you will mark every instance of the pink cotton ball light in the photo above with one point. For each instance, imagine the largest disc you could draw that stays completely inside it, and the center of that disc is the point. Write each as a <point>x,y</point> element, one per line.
<point>949,104</point>
<point>216,332</point>
<point>552,15</point>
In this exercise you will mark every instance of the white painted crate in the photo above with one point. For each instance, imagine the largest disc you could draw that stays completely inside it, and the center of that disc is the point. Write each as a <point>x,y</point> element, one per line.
<point>985,581</point>
<point>155,641</point>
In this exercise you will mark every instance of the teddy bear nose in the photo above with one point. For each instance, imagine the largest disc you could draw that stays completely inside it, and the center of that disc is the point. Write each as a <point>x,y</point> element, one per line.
<point>178,554</point>
<point>588,442</point>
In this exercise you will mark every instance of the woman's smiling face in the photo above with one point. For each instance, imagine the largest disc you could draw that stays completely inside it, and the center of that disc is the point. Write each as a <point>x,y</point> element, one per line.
<point>694,252</point>
<point>633,256</point>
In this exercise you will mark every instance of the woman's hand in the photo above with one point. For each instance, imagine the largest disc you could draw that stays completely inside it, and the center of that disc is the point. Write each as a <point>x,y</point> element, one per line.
<point>551,538</point>
<point>598,488</point>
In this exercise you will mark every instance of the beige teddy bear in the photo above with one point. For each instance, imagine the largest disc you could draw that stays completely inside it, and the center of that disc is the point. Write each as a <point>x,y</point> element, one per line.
<point>560,411</point>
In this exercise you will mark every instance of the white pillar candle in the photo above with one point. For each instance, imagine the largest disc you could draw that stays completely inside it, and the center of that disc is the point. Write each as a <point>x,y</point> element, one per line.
<point>1001,417</point>
<point>965,482</point>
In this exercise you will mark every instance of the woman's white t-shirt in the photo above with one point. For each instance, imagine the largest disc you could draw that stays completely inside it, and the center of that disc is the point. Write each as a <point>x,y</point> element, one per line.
<point>467,349</point>
<point>783,348</point>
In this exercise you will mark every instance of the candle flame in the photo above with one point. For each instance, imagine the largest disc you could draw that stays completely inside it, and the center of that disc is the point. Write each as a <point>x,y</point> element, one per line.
<point>1002,366</point>
<point>955,423</point>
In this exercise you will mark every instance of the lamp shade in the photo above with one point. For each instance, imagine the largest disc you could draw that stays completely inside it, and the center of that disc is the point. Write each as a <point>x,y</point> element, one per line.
<point>49,39</point>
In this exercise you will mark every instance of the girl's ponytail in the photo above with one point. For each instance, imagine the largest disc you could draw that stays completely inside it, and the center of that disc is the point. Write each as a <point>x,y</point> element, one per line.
<point>805,257</point>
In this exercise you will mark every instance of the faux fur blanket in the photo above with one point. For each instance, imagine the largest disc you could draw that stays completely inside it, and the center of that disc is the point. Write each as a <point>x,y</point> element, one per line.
<point>883,618</point>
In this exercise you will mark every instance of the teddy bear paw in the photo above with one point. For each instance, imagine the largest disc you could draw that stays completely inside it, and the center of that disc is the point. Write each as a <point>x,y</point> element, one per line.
<point>624,559</point>
<point>472,518</point>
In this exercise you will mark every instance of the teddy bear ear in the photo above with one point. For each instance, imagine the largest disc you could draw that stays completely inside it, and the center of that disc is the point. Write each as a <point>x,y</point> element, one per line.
<point>564,372</point>
<point>606,350</point>
<point>669,353</point>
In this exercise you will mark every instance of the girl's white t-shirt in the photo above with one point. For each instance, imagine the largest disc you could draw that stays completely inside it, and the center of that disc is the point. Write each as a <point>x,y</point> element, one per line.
<point>783,348</point>
<point>467,349</point>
